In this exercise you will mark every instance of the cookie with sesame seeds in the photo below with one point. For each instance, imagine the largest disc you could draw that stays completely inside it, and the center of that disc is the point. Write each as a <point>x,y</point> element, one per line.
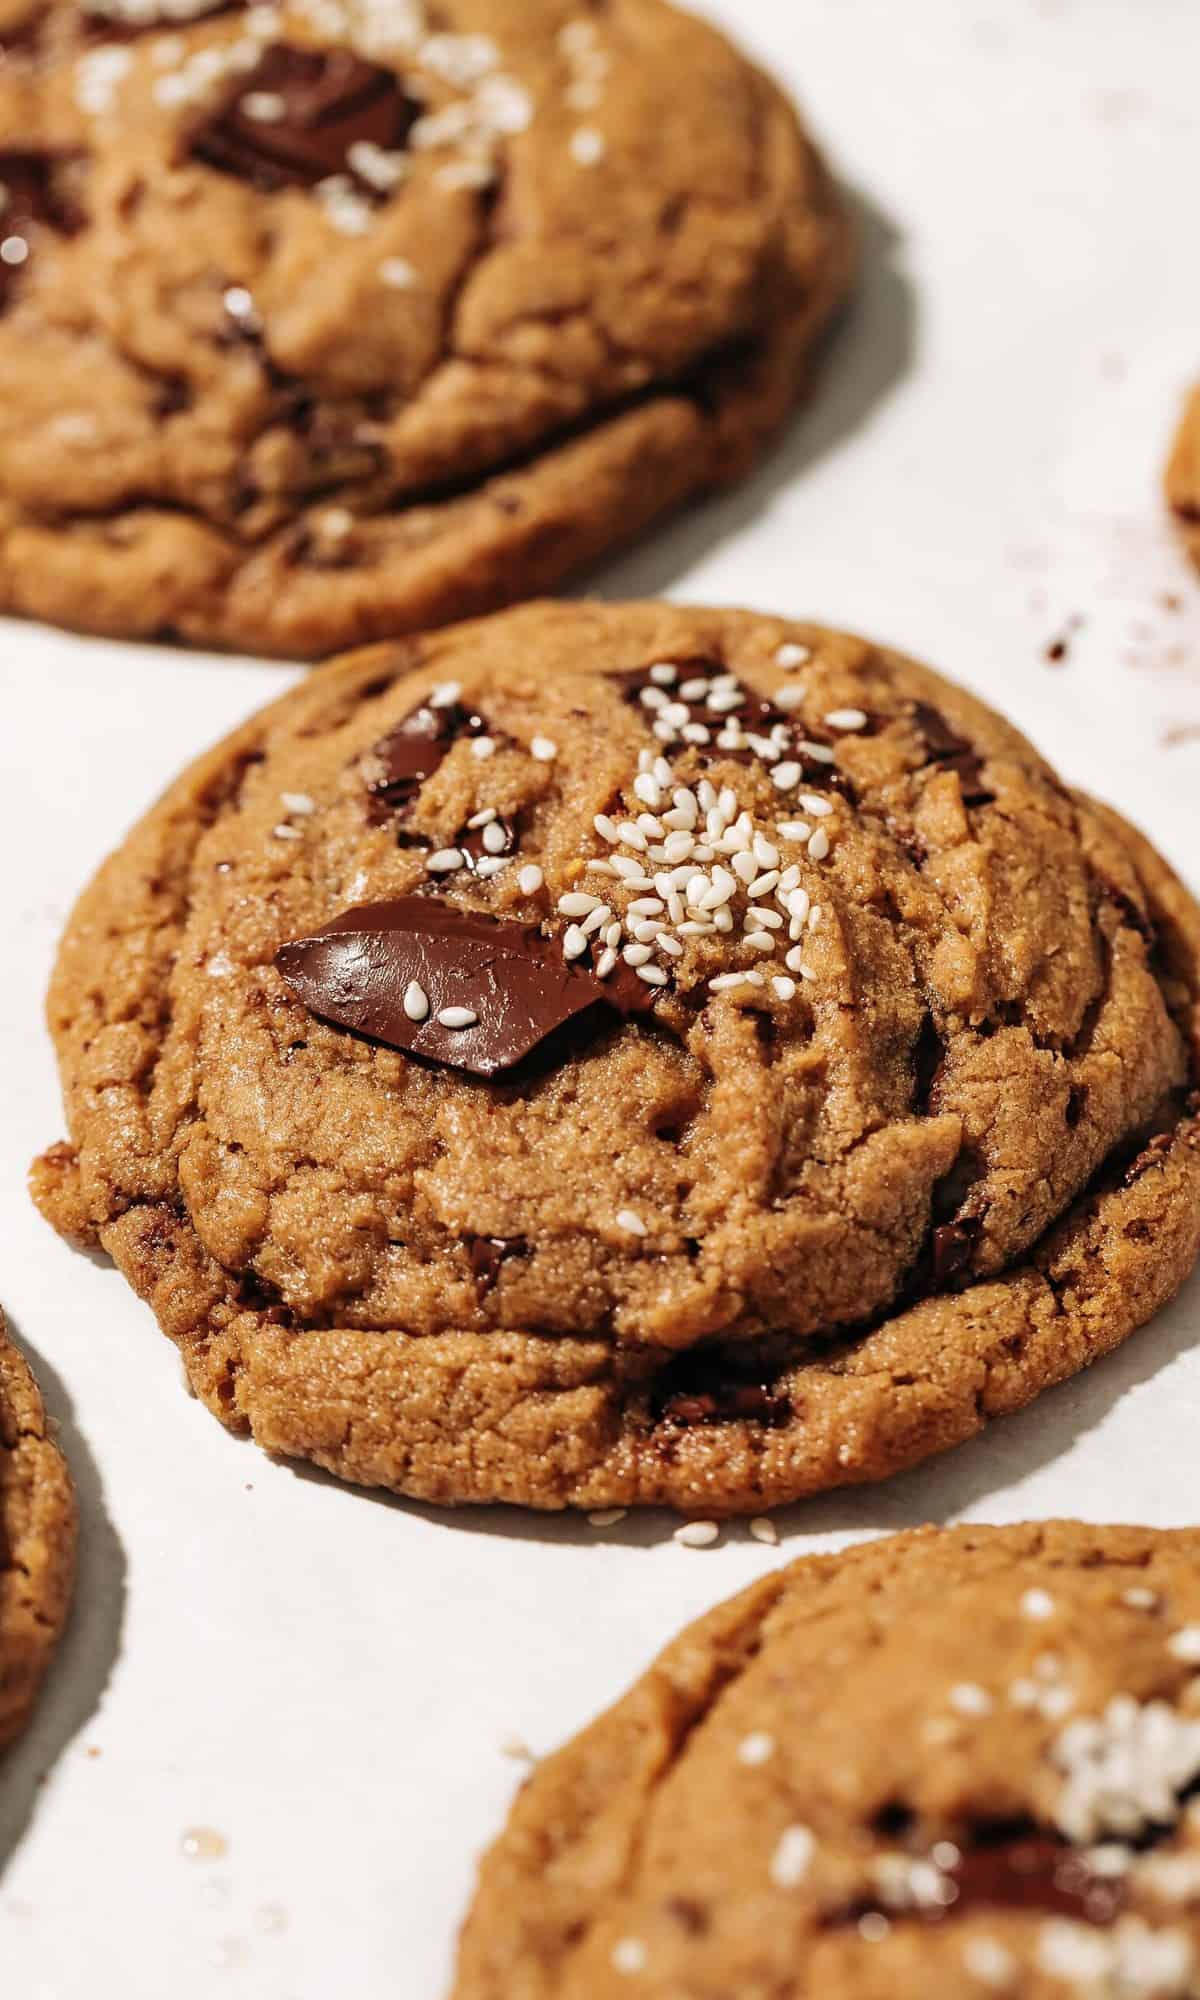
<point>37,1541</point>
<point>372,315</point>
<point>960,1762</point>
<point>1183,477</point>
<point>622,1055</point>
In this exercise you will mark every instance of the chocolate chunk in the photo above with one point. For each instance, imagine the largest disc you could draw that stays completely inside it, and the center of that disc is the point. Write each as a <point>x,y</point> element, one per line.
<point>951,752</point>
<point>488,1253</point>
<point>31,199</point>
<point>320,103</point>
<point>414,750</point>
<point>1038,1873</point>
<point>750,1402</point>
<point>952,1248</point>
<point>509,977</point>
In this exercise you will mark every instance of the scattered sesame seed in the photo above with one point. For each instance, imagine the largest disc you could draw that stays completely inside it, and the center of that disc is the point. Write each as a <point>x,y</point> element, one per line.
<point>1037,1604</point>
<point>544,748</point>
<point>664,674</point>
<point>637,955</point>
<point>457,1017</point>
<point>793,1856</point>
<point>588,146</point>
<point>266,107</point>
<point>607,829</point>
<point>725,981</point>
<point>494,838</point>
<point>574,942</point>
<point>970,1699</point>
<point>697,1534</point>
<point>444,862</point>
<point>606,963</point>
<point>816,807</point>
<point>1140,1599</point>
<point>607,1517</point>
<point>579,904</point>
<point>818,846</point>
<point>445,694</point>
<point>793,655</point>
<point>786,776</point>
<point>1185,1645</point>
<point>873,1927</point>
<point>283,832</point>
<point>652,974</point>
<point>483,747</point>
<point>846,718</point>
<point>482,818</point>
<point>989,1962</point>
<point>795,959</point>
<point>760,941</point>
<point>516,1748</point>
<point>788,698</point>
<point>629,1955</point>
<point>298,804</point>
<point>416,1001</point>
<point>398,274</point>
<point>757,1748</point>
<point>629,1220</point>
<point>764,1530</point>
<point>784,989</point>
<point>794,829</point>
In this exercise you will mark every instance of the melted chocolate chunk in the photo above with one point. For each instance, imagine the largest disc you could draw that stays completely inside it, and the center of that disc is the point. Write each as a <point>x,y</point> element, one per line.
<point>1035,1873</point>
<point>720,1386</point>
<point>488,1253</point>
<point>951,752</point>
<point>413,752</point>
<point>31,199</point>
<point>952,1247</point>
<point>509,977</point>
<point>325,102</point>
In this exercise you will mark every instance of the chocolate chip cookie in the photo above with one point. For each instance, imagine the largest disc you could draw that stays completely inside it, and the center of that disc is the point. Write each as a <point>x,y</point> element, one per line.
<point>957,1763</point>
<point>1183,477</point>
<point>37,1541</point>
<point>327,320</point>
<point>619,1055</point>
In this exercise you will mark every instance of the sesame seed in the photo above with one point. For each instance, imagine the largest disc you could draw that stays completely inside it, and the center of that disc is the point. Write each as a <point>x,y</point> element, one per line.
<point>818,808</point>
<point>398,274</point>
<point>970,1699</point>
<point>653,698</point>
<point>989,1962</point>
<point>298,803</point>
<point>283,832</point>
<point>494,838</point>
<point>544,748</point>
<point>763,885</point>
<point>793,655</point>
<point>670,945</point>
<point>1037,1604</point>
<point>819,752</point>
<point>646,929</point>
<point>612,936</point>
<point>760,940</point>
<point>786,776</point>
<point>757,1748</point>
<point>458,1017</point>
<point>818,846</point>
<point>725,981</point>
<point>846,718</point>
<point>444,862</point>
<point>664,674</point>
<point>784,989</point>
<point>724,700</point>
<point>596,921</point>
<point>482,818</point>
<point>483,747</point>
<point>1185,1645</point>
<point>788,698</point>
<point>588,146</point>
<point>629,1220</point>
<point>607,829</point>
<point>795,959</point>
<point>445,694</point>
<point>607,1517</point>
<point>652,974</point>
<point>873,1927</point>
<point>579,904</point>
<point>697,1534</point>
<point>637,955</point>
<point>648,789</point>
<point>764,1530</point>
<point>792,1858</point>
<point>266,107</point>
<point>574,943</point>
<point>1140,1599</point>
<point>606,963</point>
<point>516,1748</point>
<point>416,1001</point>
<point>629,1955</point>
<point>695,732</point>
<point>794,829</point>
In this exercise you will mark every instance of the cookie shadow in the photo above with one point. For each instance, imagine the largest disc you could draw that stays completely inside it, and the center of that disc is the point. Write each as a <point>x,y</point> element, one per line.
<point>866,352</point>
<point>83,1666</point>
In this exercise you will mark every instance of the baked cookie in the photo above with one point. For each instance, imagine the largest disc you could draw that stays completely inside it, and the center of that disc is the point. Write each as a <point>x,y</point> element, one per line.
<point>37,1541</point>
<point>328,320</point>
<point>1183,477</point>
<point>946,1763</point>
<point>627,1054</point>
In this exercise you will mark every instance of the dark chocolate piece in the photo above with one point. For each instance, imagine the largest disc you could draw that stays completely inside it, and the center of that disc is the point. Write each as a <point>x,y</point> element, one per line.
<point>414,750</point>
<point>748,1402</point>
<point>951,752</point>
<point>953,1246</point>
<point>511,977</point>
<point>331,101</point>
<point>30,200</point>
<point>488,1253</point>
<point>1036,1873</point>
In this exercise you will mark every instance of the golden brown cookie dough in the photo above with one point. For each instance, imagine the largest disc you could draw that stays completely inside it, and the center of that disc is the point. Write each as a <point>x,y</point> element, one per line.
<point>326,321</point>
<point>955,1763</point>
<point>1183,477</point>
<point>874,1115</point>
<point>37,1541</point>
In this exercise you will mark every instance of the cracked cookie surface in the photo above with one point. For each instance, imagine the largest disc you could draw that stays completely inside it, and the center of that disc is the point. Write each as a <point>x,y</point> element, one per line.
<point>1183,477</point>
<point>848,1103</point>
<point>958,1762</point>
<point>325,321</point>
<point>37,1541</point>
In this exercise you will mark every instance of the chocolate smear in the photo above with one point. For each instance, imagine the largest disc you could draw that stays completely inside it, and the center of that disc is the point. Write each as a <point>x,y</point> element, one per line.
<point>951,752</point>
<point>295,118</point>
<point>31,199</point>
<point>359,970</point>
<point>413,752</point>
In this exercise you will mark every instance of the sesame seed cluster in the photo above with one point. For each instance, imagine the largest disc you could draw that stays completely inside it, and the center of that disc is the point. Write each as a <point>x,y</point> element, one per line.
<point>1026,1856</point>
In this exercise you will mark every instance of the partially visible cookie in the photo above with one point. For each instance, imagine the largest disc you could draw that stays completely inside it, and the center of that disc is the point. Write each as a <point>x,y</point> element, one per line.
<point>630,1055</point>
<point>327,320</point>
<point>961,1764</point>
<point>1183,477</point>
<point>37,1541</point>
